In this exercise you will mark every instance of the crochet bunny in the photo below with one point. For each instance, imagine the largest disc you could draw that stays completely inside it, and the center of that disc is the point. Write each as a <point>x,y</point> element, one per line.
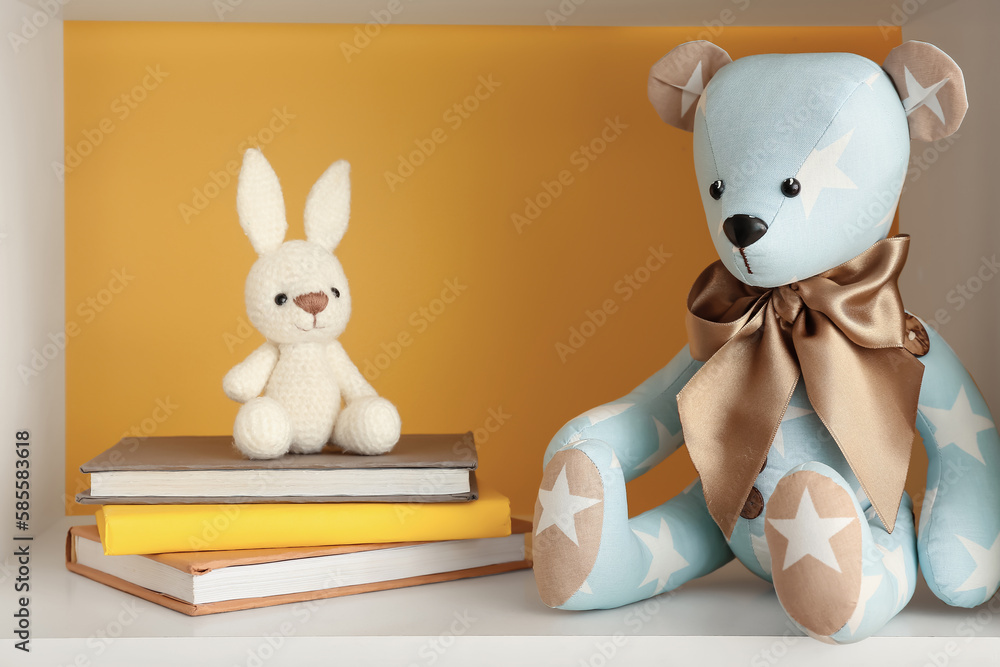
<point>297,296</point>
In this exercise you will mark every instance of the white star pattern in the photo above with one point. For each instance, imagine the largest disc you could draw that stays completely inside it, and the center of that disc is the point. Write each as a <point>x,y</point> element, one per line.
<point>585,588</point>
<point>918,96</point>
<point>889,215</point>
<point>691,90</point>
<point>666,559</point>
<point>871,513</point>
<point>987,572</point>
<point>809,535</point>
<point>868,587</point>
<point>560,507</point>
<point>791,412</point>
<point>896,566</point>
<point>873,78</point>
<point>761,551</point>
<point>925,510</point>
<point>662,446</point>
<point>958,425</point>
<point>703,103</point>
<point>820,171</point>
<point>615,463</point>
<point>602,412</point>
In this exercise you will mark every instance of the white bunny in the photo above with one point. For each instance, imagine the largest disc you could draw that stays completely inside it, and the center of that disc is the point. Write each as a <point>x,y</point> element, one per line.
<point>297,296</point>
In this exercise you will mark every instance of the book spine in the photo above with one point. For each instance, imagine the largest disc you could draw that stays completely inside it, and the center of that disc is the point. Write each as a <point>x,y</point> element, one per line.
<point>131,529</point>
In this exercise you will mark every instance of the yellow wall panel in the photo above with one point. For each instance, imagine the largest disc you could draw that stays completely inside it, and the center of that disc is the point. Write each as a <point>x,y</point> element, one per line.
<point>451,131</point>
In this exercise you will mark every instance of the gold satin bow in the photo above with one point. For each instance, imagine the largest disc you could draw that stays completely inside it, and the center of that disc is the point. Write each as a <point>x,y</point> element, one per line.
<point>843,332</point>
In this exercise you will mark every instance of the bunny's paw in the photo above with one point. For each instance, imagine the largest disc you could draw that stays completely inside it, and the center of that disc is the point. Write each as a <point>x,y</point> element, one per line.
<point>263,429</point>
<point>367,425</point>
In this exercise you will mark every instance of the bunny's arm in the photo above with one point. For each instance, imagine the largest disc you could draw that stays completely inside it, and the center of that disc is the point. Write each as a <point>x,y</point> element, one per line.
<point>352,383</point>
<point>248,378</point>
<point>643,428</point>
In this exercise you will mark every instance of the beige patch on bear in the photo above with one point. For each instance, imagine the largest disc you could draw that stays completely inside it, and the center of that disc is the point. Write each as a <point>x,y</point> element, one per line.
<point>562,564</point>
<point>814,536</point>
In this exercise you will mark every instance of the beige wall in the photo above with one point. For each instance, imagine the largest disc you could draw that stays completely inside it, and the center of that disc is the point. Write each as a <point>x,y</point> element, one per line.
<point>951,207</point>
<point>31,260</point>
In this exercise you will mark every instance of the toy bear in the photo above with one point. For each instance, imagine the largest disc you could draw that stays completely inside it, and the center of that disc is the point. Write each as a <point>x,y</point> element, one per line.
<point>803,377</point>
<point>297,296</point>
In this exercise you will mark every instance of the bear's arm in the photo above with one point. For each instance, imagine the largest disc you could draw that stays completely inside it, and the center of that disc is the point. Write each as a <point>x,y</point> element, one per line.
<point>248,378</point>
<point>642,427</point>
<point>958,539</point>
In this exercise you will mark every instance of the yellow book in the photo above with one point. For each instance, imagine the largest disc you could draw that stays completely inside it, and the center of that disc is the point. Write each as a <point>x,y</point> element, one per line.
<point>150,529</point>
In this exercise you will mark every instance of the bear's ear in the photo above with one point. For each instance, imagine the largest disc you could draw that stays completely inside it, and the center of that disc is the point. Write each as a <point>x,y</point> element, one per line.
<point>677,80</point>
<point>931,86</point>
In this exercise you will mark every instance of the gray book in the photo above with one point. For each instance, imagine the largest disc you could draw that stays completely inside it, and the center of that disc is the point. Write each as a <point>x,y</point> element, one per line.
<point>210,470</point>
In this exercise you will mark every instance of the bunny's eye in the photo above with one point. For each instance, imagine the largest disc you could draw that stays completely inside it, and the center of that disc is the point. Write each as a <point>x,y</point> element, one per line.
<point>336,292</point>
<point>281,299</point>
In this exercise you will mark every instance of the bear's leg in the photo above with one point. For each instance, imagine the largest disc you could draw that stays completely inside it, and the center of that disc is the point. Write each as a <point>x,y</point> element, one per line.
<point>263,429</point>
<point>838,574</point>
<point>589,555</point>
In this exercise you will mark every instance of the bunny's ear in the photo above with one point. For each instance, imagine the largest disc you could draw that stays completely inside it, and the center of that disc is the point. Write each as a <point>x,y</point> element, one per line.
<point>677,80</point>
<point>329,206</point>
<point>931,86</point>
<point>259,203</point>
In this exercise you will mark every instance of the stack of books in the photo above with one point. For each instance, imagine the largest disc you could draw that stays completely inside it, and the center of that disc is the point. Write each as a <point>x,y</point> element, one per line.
<point>188,523</point>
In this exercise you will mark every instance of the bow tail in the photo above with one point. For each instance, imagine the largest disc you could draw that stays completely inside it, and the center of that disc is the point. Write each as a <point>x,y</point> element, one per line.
<point>730,411</point>
<point>867,399</point>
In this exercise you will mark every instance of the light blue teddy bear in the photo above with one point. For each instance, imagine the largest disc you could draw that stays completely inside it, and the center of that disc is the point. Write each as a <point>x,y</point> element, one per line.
<point>802,382</point>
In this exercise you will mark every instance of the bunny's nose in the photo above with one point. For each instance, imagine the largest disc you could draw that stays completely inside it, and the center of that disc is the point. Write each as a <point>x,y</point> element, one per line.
<point>744,230</point>
<point>313,303</point>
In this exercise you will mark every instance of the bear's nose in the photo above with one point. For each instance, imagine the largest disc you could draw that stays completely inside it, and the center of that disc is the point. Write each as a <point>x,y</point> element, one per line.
<point>744,230</point>
<point>313,303</point>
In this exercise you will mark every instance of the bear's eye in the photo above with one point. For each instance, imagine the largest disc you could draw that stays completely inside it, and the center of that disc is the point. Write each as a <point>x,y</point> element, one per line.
<point>281,299</point>
<point>716,189</point>
<point>790,187</point>
<point>336,292</point>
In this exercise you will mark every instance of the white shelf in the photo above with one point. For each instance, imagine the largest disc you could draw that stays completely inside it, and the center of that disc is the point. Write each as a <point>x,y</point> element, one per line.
<point>729,617</point>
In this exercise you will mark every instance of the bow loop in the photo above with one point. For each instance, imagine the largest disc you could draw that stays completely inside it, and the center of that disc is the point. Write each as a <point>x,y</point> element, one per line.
<point>841,332</point>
